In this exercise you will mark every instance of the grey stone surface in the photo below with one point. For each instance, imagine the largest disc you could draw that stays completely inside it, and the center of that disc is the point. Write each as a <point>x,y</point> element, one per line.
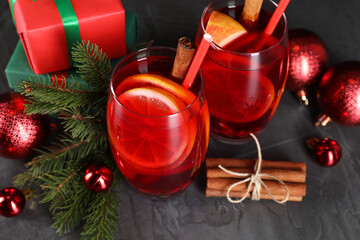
<point>331,209</point>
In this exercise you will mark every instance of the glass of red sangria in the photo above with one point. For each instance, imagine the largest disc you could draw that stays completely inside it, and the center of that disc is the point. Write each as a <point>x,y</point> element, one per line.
<point>158,130</point>
<point>244,70</point>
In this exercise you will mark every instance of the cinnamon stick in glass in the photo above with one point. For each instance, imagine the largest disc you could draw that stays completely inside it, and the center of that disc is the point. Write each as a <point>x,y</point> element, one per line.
<point>251,10</point>
<point>184,54</point>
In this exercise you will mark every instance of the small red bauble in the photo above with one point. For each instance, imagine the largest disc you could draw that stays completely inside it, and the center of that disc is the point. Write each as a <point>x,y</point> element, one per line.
<point>98,177</point>
<point>339,93</point>
<point>20,133</point>
<point>12,202</point>
<point>327,152</point>
<point>308,59</point>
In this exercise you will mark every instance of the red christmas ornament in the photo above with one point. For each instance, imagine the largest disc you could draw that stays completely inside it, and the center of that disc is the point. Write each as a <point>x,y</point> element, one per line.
<point>339,94</point>
<point>20,133</point>
<point>327,152</point>
<point>308,59</point>
<point>12,202</point>
<point>98,177</point>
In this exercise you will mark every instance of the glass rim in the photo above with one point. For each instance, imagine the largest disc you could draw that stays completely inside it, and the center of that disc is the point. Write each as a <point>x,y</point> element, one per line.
<point>127,57</point>
<point>217,47</point>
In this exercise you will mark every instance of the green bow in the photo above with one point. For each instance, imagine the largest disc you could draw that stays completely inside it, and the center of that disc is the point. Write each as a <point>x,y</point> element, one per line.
<point>69,19</point>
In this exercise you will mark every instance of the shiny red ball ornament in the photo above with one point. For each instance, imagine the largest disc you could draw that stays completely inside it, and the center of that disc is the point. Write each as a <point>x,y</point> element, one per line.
<point>327,152</point>
<point>20,133</point>
<point>308,59</point>
<point>339,94</point>
<point>98,177</point>
<point>12,202</point>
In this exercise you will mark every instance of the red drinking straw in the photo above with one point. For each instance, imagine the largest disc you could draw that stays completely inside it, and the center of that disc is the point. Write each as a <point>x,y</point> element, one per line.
<point>275,18</point>
<point>198,59</point>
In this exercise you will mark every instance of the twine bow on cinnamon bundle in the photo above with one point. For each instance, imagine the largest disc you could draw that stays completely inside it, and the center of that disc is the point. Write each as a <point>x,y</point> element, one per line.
<point>276,180</point>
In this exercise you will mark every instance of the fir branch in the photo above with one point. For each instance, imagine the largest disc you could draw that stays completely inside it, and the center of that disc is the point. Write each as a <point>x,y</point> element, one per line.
<point>58,184</point>
<point>66,151</point>
<point>43,91</point>
<point>72,210</point>
<point>93,64</point>
<point>36,107</point>
<point>63,185</point>
<point>85,124</point>
<point>57,167</point>
<point>55,155</point>
<point>85,130</point>
<point>22,179</point>
<point>100,221</point>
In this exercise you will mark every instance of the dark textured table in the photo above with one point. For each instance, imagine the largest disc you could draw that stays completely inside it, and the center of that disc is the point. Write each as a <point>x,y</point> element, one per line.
<point>331,209</point>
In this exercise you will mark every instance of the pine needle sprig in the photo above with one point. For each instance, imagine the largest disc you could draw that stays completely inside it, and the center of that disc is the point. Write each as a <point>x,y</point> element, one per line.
<point>101,221</point>
<point>85,124</point>
<point>59,184</point>
<point>41,90</point>
<point>65,150</point>
<point>58,168</point>
<point>85,129</point>
<point>72,211</point>
<point>95,68</point>
<point>23,179</point>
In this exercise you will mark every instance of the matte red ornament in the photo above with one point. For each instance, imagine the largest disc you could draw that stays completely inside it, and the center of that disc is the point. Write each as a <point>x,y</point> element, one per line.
<point>339,94</point>
<point>12,202</point>
<point>98,177</point>
<point>308,59</point>
<point>20,133</point>
<point>327,152</point>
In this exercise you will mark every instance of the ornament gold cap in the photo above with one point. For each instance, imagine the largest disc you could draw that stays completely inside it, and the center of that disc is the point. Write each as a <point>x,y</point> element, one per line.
<point>322,120</point>
<point>301,94</point>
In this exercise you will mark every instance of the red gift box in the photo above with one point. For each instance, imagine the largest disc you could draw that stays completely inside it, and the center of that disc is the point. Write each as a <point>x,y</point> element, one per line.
<point>48,29</point>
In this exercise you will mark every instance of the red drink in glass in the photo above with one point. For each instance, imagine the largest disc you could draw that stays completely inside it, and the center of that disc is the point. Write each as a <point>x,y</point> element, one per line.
<point>158,130</point>
<point>244,79</point>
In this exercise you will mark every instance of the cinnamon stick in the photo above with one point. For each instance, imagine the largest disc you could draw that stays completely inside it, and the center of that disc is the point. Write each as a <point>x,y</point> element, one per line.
<point>282,174</point>
<point>222,193</point>
<point>250,163</point>
<point>251,10</point>
<point>184,54</point>
<point>275,187</point>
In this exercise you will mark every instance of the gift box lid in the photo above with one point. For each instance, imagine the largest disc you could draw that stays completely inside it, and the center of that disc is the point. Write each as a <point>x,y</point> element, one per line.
<point>18,68</point>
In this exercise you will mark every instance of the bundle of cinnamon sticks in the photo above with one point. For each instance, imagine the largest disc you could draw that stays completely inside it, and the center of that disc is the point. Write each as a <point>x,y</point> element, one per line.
<point>293,174</point>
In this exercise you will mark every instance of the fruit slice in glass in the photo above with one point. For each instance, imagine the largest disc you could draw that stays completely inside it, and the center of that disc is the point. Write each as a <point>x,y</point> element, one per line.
<point>155,148</point>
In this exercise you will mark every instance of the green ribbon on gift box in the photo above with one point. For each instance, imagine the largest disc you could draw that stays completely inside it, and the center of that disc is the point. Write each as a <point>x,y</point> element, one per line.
<point>69,20</point>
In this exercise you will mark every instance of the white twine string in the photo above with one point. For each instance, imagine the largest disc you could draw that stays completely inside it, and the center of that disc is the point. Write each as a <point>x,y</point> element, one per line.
<point>254,179</point>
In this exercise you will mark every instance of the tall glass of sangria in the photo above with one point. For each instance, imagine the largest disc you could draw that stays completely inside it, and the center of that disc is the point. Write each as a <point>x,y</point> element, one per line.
<point>244,71</point>
<point>158,130</point>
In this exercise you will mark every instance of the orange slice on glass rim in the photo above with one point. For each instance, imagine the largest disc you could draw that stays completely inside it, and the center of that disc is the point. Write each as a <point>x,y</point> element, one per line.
<point>146,146</point>
<point>223,28</point>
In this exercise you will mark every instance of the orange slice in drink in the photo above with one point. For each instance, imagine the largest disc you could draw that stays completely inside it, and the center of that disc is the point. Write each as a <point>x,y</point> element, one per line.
<point>252,100</point>
<point>223,28</point>
<point>157,142</point>
<point>155,80</point>
<point>151,101</point>
<point>248,98</point>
